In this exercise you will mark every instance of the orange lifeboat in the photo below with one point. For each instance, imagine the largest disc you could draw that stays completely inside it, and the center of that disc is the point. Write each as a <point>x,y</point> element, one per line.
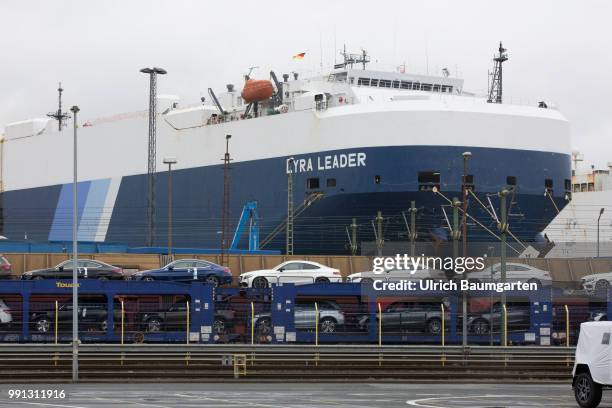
<point>257,90</point>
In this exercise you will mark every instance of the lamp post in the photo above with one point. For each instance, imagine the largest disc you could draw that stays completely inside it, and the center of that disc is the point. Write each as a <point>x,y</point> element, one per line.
<point>152,150</point>
<point>601,211</point>
<point>75,264</point>
<point>289,226</point>
<point>464,188</point>
<point>170,161</point>
<point>464,193</point>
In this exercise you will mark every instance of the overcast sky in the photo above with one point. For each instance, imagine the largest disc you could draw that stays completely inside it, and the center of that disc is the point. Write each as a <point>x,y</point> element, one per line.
<point>560,51</point>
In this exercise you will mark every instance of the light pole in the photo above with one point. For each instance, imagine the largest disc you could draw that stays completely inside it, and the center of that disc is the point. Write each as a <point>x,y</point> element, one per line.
<point>152,150</point>
<point>75,264</point>
<point>170,161</point>
<point>289,226</point>
<point>601,211</point>
<point>464,188</point>
<point>503,229</point>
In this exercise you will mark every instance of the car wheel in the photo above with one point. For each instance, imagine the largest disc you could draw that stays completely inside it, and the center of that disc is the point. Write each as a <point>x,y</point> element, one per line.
<point>219,325</point>
<point>148,279</point>
<point>43,324</point>
<point>212,280</point>
<point>38,277</point>
<point>480,326</point>
<point>264,326</point>
<point>602,285</point>
<point>536,281</point>
<point>321,279</point>
<point>154,325</point>
<point>434,326</point>
<point>260,283</point>
<point>328,325</point>
<point>587,391</point>
<point>367,281</point>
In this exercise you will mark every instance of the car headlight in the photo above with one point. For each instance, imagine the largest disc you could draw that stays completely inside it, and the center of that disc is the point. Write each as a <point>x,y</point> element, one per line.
<point>247,276</point>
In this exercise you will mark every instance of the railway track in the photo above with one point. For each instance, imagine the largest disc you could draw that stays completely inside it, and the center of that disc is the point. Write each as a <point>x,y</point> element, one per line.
<point>52,363</point>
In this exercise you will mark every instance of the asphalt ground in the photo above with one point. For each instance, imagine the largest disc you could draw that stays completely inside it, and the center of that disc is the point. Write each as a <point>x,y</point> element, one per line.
<point>295,395</point>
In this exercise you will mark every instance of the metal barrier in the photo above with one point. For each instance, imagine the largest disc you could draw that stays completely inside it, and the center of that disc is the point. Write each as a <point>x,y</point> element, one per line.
<point>152,362</point>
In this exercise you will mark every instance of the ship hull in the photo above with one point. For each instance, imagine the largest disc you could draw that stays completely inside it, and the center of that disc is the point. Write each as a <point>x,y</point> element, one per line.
<point>365,180</point>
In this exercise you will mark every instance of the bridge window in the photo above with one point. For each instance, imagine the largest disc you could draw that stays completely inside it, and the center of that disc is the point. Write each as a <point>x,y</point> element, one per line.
<point>416,86</point>
<point>428,180</point>
<point>331,182</point>
<point>363,81</point>
<point>396,84</point>
<point>425,87</point>
<point>312,183</point>
<point>511,180</point>
<point>384,83</point>
<point>374,82</point>
<point>436,88</point>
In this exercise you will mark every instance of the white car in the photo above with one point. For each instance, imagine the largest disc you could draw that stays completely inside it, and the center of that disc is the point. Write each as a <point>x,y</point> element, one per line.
<point>596,281</point>
<point>296,272</point>
<point>395,275</point>
<point>5,313</point>
<point>514,272</point>
<point>591,370</point>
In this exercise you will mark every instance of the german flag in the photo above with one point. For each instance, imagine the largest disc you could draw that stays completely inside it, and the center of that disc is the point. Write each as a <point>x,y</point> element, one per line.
<point>299,56</point>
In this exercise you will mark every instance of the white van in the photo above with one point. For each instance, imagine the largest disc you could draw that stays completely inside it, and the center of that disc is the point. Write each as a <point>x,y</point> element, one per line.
<point>593,367</point>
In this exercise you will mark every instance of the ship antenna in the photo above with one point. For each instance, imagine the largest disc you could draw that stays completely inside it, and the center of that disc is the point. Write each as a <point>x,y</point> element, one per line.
<point>59,115</point>
<point>350,59</point>
<point>248,76</point>
<point>496,89</point>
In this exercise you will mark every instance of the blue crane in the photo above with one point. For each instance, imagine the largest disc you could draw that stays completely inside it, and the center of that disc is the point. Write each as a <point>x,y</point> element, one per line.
<point>250,214</point>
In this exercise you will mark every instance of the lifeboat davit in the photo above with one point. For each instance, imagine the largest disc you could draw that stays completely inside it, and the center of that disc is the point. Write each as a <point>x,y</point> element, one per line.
<point>257,90</point>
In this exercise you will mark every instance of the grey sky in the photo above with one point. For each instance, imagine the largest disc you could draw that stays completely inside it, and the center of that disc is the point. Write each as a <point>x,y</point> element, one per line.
<point>559,51</point>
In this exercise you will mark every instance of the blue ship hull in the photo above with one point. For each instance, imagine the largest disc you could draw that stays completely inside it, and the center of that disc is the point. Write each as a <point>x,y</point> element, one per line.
<point>387,182</point>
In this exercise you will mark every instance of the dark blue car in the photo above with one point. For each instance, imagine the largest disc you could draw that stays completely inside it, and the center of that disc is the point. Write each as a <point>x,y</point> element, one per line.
<point>188,270</point>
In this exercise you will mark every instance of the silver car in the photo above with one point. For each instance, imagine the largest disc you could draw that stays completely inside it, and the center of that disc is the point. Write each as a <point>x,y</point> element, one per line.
<point>514,272</point>
<point>331,318</point>
<point>395,275</point>
<point>596,282</point>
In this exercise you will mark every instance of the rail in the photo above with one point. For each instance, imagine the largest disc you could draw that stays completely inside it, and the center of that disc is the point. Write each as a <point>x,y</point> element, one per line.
<point>29,362</point>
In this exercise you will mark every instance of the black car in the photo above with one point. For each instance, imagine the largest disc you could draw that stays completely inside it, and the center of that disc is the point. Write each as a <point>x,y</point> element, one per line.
<point>175,319</point>
<point>87,268</point>
<point>518,318</point>
<point>92,316</point>
<point>410,317</point>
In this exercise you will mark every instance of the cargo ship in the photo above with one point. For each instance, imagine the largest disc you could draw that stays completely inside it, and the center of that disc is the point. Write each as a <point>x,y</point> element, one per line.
<point>354,141</point>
